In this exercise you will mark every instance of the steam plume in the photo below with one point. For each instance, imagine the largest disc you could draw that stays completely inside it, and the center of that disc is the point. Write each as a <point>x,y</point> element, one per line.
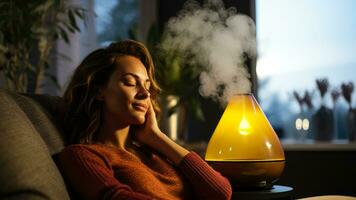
<point>218,39</point>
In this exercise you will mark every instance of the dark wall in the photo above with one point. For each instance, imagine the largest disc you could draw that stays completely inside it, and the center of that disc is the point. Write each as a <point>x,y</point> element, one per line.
<point>314,173</point>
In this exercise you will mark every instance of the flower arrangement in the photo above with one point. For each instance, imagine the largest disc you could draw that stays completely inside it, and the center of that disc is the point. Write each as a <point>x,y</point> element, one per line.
<point>323,86</point>
<point>335,94</point>
<point>323,118</point>
<point>306,99</point>
<point>347,90</point>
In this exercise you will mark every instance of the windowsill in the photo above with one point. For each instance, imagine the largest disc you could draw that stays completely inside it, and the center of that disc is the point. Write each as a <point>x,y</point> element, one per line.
<point>311,145</point>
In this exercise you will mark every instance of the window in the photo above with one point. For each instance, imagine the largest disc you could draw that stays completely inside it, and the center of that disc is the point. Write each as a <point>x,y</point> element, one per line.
<point>116,20</point>
<point>300,41</point>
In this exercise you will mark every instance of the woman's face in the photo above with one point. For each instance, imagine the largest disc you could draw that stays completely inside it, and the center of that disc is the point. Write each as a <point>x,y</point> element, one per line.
<point>125,97</point>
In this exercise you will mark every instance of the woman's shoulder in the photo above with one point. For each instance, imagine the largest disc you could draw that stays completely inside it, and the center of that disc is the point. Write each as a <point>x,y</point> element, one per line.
<point>79,147</point>
<point>88,152</point>
<point>96,149</point>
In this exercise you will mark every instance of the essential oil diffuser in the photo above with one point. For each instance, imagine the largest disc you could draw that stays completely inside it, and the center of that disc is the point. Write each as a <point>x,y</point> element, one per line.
<point>244,147</point>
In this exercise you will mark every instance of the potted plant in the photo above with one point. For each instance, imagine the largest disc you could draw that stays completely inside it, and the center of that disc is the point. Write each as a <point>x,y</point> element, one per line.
<point>179,82</point>
<point>323,118</point>
<point>335,94</point>
<point>347,90</point>
<point>28,33</point>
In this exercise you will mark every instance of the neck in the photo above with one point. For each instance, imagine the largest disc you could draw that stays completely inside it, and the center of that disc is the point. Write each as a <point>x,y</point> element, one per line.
<point>114,134</point>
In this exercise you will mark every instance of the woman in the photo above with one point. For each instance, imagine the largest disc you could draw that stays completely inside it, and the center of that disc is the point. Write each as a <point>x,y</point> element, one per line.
<point>117,150</point>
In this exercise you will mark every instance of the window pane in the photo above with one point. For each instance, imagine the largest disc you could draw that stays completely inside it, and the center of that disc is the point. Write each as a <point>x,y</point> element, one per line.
<point>116,20</point>
<point>300,41</point>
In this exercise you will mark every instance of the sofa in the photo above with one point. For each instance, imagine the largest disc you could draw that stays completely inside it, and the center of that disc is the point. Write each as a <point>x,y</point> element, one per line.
<point>30,139</point>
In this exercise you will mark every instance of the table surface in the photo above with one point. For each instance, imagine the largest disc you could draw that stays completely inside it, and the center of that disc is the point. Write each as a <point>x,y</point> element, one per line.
<point>276,192</point>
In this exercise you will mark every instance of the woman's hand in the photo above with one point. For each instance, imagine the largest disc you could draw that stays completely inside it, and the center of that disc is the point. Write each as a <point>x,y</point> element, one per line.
<point>149,132</point>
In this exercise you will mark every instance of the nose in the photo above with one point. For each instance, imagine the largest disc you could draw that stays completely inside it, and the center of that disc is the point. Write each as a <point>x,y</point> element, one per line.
<point>142,92</point>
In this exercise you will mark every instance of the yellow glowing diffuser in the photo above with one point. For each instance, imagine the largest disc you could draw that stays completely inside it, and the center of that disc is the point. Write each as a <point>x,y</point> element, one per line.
<point>244,146</point>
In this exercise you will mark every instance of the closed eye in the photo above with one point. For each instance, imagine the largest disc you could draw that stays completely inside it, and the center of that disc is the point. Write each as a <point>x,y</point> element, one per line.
<point>128,83</point>
<point>132,80</point>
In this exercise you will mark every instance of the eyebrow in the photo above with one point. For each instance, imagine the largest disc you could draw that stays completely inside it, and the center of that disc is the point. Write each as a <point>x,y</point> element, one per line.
<point>136,76</point>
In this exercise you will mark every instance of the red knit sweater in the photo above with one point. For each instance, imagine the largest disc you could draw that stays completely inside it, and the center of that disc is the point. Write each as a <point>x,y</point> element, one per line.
<point>103,172</point>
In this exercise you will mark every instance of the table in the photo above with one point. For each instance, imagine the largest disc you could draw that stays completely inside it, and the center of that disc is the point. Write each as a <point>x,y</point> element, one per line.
<point>277,192</point>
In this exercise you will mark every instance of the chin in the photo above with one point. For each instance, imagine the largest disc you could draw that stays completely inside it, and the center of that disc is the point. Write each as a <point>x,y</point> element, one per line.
<point>139,120</point>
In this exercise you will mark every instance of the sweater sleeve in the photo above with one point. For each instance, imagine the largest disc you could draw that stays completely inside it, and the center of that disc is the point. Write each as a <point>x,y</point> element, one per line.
<point>91,177</point>
<point>207,183</point>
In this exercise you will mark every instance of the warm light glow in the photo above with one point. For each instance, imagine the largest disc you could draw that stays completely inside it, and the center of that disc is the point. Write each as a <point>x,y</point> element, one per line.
<point>244,146</point>
<point>305,124</point>
<point>269,145</point>
<point>244,127</point>
<point>244,133</point>
<point>298,124</point>
<point>302,124</point>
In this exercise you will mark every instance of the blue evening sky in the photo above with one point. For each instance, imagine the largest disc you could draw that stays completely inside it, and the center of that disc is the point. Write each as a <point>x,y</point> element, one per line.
<point>301,40</point>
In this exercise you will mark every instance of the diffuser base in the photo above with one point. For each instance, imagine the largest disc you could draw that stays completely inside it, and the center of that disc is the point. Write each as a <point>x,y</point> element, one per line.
<point>250,174</point>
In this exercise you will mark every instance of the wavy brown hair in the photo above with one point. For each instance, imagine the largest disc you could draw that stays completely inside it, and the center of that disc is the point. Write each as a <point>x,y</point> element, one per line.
<point>83,112</point>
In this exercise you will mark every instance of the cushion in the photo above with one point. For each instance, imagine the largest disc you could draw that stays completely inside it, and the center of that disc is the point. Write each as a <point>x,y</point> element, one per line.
<point>27,170</point>
<point>42,111</point>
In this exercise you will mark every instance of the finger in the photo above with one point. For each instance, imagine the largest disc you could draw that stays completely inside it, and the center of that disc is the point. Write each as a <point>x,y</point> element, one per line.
<point>151,113</point>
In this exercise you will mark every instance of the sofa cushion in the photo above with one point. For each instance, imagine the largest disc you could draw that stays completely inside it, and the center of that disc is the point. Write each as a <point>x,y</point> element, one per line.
<point>27,168</point>
<point>42,111</point>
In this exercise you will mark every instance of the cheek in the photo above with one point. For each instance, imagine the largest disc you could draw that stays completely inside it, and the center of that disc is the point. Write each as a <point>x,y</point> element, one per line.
<point>126,96</point>
<point>111,100</point>
<point>120,100</point>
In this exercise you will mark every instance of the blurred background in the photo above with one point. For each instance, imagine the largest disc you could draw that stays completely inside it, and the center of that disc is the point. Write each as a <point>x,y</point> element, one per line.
<point>302,72</point>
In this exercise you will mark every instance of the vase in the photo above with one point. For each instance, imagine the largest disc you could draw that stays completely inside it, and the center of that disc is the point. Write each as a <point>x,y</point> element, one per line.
<point>351,124</point>
<point>323,121</point>
<point>173,122</point>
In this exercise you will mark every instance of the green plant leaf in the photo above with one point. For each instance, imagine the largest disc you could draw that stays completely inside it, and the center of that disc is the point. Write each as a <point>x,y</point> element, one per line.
<point>47,65</point>
<point>54,80</point>
<point>69,27</point>
<point>42,44</point>
<point>64,35</point>
<point>72,20</point>
<point>79,13</point>
<point>196,109</point>
<point>173,109</point>
<point>30,69</point>
<point>153,38</point>
<point>44,7</point>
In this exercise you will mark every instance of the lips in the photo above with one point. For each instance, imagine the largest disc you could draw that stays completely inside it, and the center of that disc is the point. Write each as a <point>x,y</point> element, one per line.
<point>140,106</point>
